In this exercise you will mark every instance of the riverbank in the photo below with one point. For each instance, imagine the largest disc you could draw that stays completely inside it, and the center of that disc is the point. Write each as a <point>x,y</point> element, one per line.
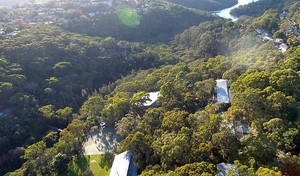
<point>225,13</point>
<point>258,8</point>
<point>206,4</point>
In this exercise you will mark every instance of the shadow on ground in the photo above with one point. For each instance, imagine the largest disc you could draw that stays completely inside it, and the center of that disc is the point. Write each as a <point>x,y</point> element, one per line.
<point>106,161</point>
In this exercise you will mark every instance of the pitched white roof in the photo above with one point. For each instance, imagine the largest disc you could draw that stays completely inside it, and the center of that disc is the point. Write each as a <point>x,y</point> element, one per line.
<point>123,165</point>
<point>283,47</point>
<point>222,91</point>
<point>153,96</point>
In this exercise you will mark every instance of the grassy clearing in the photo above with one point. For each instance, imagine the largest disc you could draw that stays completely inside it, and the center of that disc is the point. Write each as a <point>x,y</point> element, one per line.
<point>90,165</point>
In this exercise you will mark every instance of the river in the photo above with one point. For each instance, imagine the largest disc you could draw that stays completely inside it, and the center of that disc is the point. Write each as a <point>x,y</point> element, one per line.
<point>225,13</point>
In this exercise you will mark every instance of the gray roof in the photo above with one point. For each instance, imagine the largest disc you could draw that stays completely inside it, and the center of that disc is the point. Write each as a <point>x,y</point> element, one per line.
<point>238,128</point>
<point>242,129</point>
<point>123,165</point>
<point>224,167</point>
<point>222,91</point>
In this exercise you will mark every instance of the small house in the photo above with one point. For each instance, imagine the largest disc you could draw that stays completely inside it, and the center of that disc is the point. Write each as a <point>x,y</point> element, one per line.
<point>278,40</point>
<point>267,38</point>
<point>222,91</point>
<point>224,168</point>
<point>283,47</point>
<point>241,130</point>
<point>123,165</point>
<point>238,129</point>
<point>153,97</point>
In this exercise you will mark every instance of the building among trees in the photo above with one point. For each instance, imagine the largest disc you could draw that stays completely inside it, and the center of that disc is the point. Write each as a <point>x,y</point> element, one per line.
<point>123,165</point>
<point>152,102</point>
<point>222,91</point>
<point>224,168</point>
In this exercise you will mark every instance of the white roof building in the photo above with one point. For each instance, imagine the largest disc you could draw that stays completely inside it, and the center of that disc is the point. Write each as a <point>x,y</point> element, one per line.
<point>283,47</point>
<point>267,38</point>
<point>222,91</point>
<point>123,165</point>
<point>153,96</point>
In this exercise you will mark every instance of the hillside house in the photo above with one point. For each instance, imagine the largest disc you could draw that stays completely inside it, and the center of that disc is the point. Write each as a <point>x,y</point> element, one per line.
<point>224,168</point>
<point>152,102</point>
<point>240,131</point>
<point>222,91</point>
<point>283,47</point>
<point>123,165</point>
<point>237,128</point>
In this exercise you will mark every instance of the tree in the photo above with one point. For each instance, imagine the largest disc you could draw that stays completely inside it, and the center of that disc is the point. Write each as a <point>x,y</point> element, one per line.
<point>62,68</point>
<point>287,81</point>
<point>236,116</point>
<point>64,114</point>
<point>173,149</point>
<point>117,107</point>
<point>174,120</point>
<point>255,80</point>
<point>93,108</point>
<point>47,111</point>
<point>72,137</point>
<point>267,172</point>
<point>204,91</point>
<point>198,168</point>
<point>251,102</point>
<point>167,91</point>
<point>35,150</point>
<point>127,125</point>
<point>260,148</point>
<point>51,138</point>
<point>151,121</point>
<point>24,104</point>
<point>225,144</point>
<point>279,104</point>
<point>60,162</point>
<point>279,133</point>
<point>138,143</point>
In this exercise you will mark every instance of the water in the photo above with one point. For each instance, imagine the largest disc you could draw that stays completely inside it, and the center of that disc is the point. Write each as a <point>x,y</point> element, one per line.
<point>225,12</point>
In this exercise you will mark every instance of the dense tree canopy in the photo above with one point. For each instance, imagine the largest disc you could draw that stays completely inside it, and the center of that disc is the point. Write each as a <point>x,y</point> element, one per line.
<point>56,85</point>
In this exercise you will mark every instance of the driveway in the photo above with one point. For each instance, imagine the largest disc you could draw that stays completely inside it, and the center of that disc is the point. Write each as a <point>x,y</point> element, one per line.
<point>101,141</point>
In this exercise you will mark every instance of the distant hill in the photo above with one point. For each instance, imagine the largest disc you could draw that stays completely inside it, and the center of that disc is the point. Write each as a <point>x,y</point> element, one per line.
<point>258,8</point>
<point>209,5</point>
<point>9,3</point>
<point>15,2</point>
<point>159,23</point>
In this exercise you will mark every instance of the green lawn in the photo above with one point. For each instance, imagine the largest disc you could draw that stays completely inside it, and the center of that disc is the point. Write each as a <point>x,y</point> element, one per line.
<point>97,164</point>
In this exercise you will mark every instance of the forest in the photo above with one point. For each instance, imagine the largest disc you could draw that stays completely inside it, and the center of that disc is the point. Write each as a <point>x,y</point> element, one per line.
<point>69,78</point>
<point>151,28</point>
<point>258,8</point>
